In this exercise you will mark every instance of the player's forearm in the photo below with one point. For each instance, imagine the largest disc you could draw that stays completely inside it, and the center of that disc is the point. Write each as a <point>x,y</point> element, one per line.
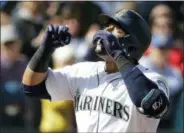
<point>32,78</point>
<point>36,73</point>
<point>143,92</point>
<point>36,70</point>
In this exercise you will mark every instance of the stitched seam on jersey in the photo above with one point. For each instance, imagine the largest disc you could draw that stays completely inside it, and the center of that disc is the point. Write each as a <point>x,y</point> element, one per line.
<point>98,78</point>
<point>101,96</point>
<point>72,90</point>
<point>98,111</point>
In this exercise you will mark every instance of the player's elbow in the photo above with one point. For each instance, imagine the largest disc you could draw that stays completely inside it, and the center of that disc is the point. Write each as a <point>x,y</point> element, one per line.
<point>155,104</point>
<point>33,78</point>
<point>36,91</point>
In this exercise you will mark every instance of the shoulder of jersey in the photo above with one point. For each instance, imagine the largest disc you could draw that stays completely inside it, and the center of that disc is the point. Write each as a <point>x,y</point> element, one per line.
<point>149,73</point>
<point>87,67</point>
<point>88,64</point>
<point>155,77</point>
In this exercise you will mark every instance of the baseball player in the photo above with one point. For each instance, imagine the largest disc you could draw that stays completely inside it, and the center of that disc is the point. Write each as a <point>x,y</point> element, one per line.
<point>117,95</point>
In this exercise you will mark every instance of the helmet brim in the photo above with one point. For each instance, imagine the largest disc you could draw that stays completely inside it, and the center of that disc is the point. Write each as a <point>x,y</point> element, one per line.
<point>105,20</point>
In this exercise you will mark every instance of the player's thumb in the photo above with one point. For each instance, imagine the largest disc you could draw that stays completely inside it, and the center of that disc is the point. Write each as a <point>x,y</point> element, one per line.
<point>49,30</point>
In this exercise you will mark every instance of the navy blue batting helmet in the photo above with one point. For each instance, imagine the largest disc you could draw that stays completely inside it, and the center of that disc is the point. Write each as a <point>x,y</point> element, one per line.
<point>138,36</point>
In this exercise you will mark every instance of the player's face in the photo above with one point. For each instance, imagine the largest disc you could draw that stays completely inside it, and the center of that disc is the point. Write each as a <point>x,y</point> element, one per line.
<point>116,31</point>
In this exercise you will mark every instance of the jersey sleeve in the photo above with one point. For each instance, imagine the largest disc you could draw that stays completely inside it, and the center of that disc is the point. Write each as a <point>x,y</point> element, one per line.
<point>60,83</point>
<point>158,79</point>
<point>162,85</point>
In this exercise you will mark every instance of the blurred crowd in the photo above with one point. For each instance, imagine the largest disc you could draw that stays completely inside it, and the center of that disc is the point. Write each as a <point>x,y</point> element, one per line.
<point>22,28</point>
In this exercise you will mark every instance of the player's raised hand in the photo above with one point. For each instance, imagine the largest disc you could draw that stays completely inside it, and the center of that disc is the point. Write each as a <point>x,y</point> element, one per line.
<point>56,36</point>
<point>109,42</point>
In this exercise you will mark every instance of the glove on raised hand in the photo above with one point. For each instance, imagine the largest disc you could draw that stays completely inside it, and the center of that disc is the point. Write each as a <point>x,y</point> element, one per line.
<point>56,36</point>
<point>112,47</point>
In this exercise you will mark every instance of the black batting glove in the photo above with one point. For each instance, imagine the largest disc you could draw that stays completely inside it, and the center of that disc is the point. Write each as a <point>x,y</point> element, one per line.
<point>109,42</point>
<point>56,36</point>
<point>112,47</point>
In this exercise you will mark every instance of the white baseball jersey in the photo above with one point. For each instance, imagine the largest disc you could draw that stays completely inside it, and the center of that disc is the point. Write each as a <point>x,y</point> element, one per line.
<point>102,103</point>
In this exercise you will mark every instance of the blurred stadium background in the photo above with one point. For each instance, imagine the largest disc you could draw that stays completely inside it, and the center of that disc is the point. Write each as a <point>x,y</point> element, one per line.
<point>22,27</point>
